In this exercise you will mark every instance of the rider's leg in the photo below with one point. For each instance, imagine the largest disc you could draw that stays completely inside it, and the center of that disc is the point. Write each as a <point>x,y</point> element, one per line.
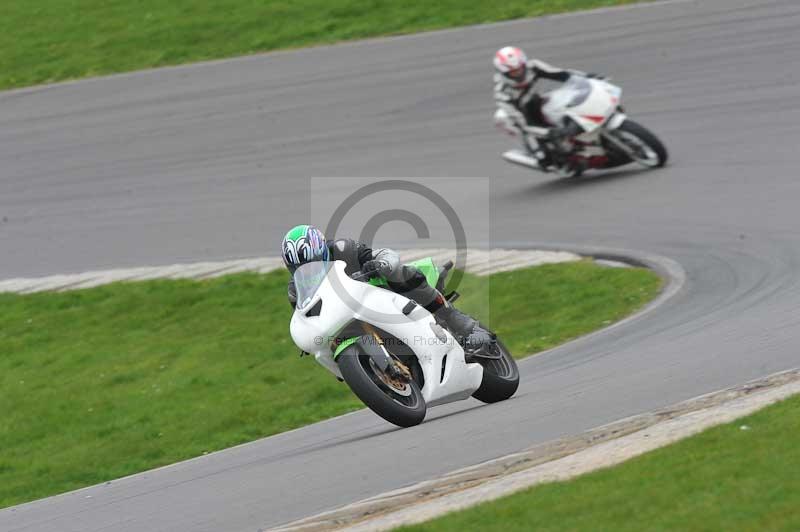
<point>539,148</point>
<point>410,282</point>
<point>532,110</point>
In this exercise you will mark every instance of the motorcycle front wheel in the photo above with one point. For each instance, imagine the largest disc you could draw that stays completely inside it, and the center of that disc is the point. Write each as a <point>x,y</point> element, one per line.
<point>400,403</point>
<point>646,149</point>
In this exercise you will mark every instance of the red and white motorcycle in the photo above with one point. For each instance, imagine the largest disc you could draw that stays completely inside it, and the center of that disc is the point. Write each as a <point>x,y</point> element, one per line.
<point>605,137</point>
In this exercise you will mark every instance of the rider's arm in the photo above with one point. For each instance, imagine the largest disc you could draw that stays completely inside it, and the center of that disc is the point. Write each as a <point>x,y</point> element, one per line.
<point>503,92</point>
<point>390,260</point>
<point>508,116</point>
<point>544,70</point>
<point>383,261</point>
<point>363,252</point>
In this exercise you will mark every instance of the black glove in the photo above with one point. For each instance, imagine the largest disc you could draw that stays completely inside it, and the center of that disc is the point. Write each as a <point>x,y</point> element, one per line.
<point>376,268</point>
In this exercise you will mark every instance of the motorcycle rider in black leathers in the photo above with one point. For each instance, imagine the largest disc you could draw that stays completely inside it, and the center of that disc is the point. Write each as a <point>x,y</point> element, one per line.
<point>514,81</point>
<point>305,243</point>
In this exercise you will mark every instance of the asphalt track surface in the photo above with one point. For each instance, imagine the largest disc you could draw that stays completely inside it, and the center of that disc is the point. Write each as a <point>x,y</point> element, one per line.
<point>209,161</point>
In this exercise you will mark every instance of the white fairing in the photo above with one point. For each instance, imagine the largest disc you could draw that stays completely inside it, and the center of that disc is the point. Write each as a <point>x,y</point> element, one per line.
<point>616,120</point>
<point>592,104</point>
<point>345,300</point>
<point>589,102</point>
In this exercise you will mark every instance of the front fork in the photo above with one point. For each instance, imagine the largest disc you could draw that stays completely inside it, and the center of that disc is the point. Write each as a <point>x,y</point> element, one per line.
<point>607,133</point>
<point>395,368</point>
<point>619,145</point>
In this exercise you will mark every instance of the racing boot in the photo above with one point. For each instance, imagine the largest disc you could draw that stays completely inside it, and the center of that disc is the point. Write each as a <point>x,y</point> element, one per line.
<point>573,167</point>
<point>545,159</point>
<point>538,152</point>
<point>467,331</point>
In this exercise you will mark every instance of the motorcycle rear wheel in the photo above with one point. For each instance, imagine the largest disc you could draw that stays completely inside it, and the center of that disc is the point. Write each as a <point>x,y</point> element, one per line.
<point>500,377</point>
<point>402,405</point>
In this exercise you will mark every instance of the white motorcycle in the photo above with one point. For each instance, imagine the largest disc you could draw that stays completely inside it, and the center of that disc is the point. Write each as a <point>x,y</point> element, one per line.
<point>605,137</point>
<point>389,350</point>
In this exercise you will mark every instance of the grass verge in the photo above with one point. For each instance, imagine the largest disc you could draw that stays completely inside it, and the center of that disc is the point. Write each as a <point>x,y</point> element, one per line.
<point>100,383</point>
<point>725,478</point>
<point>52,40</point>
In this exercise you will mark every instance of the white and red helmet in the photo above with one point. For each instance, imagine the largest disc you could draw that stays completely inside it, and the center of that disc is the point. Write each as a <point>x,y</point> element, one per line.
<point>511,63</point>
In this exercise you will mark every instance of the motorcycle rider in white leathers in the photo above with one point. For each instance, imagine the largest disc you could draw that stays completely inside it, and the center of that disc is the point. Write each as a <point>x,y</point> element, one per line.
<point>514,84</point>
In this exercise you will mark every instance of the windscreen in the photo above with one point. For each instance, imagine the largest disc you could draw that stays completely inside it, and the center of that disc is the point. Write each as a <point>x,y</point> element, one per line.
<point>580,89</point>
<point>307,279</point>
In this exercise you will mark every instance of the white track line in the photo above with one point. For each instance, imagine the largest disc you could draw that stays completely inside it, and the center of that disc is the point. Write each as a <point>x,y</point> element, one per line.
<point>480,262</point>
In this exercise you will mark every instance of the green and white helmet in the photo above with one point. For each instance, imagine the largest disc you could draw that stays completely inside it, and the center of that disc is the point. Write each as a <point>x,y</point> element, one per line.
<point>302,244</point>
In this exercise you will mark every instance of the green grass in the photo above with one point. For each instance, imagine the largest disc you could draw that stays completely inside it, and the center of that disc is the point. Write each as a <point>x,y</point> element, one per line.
<point>725,478</point>
<point>100,383</point>
<point>50,40</point>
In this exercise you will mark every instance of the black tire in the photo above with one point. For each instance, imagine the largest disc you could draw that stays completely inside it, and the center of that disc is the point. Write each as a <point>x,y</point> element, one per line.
<point>500,377</point>
<point>360,375</point>
<point>644,135</point>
